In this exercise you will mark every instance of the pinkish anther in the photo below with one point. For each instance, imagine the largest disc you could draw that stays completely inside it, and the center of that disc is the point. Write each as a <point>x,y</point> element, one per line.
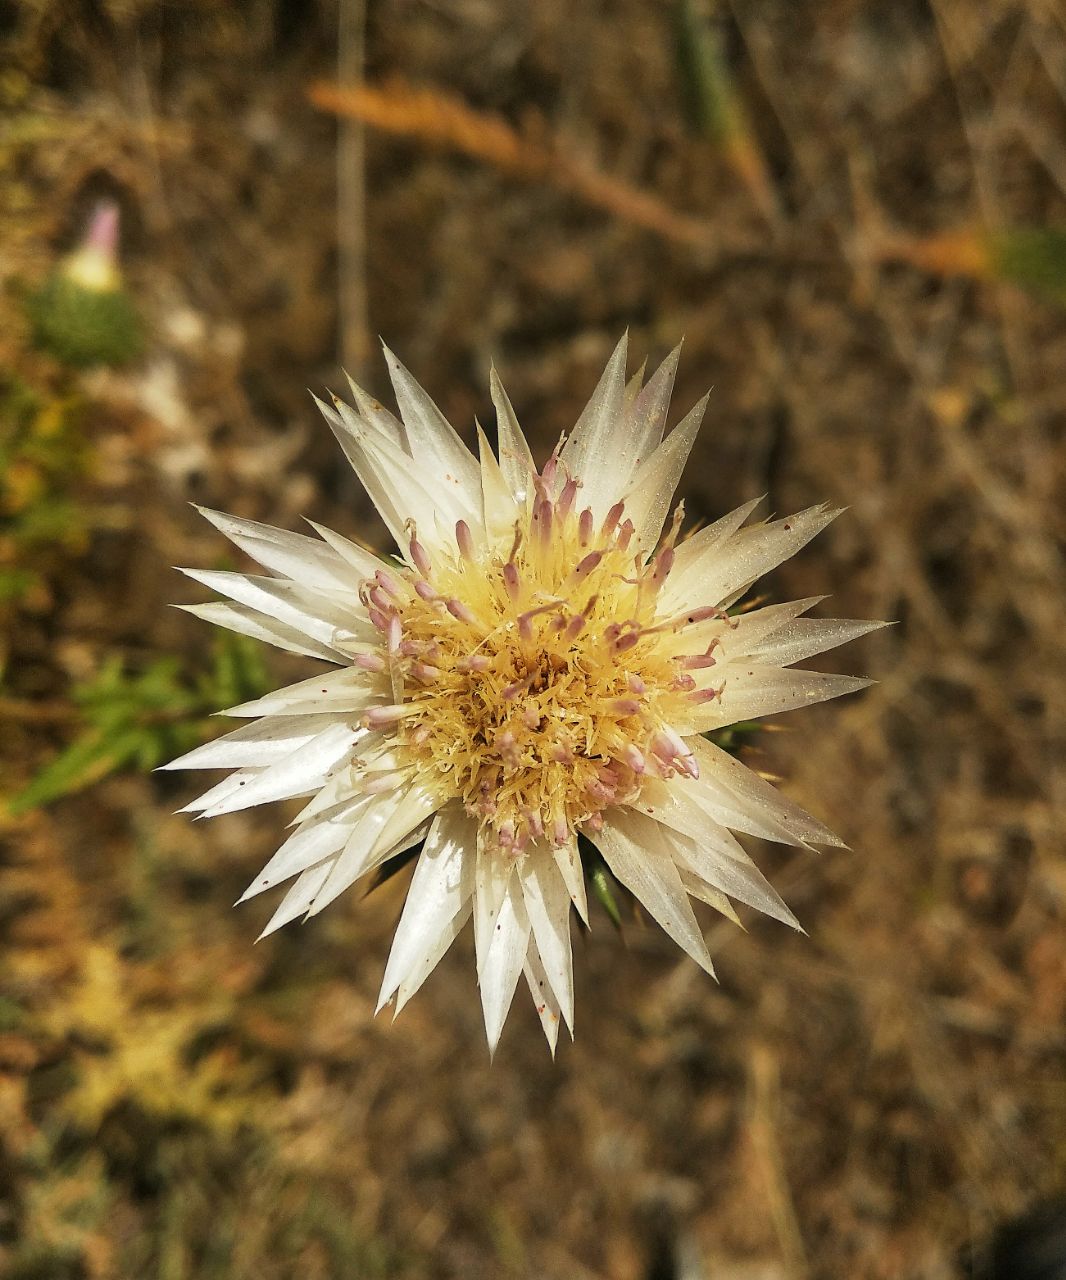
<point>475,662</point>
<point>460,611</point>
<point>664,562</point>
<point>420,557</point>
<point>542,518</point>
<point>394,634</point>
<point>586,565</point>
<point>574,627</point>
<point>611,519</point>
<point>370,661</point>
<point>584,527</point>
<point>464,540</point>
<point>377,717</point>
<point>697,661</point>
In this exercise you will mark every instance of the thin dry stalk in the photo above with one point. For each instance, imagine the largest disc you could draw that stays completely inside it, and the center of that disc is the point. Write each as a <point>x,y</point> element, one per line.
<point>351,195</point>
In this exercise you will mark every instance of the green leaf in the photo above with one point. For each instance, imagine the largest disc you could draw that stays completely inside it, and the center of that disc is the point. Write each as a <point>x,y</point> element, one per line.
<point>600,879</point>
<point>1033,258</point>
<point>734,737</point>
<point>706,84</point>
<point>141,720</point>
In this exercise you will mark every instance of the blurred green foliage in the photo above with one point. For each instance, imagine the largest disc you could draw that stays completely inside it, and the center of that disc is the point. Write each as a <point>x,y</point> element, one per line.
<point>142,719</point>
<point>706,83</point>
<point>1033,258</point>
<point>42,455</point>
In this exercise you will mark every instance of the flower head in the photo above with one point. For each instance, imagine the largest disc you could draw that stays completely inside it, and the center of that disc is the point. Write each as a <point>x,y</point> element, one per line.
<point>541,662</point>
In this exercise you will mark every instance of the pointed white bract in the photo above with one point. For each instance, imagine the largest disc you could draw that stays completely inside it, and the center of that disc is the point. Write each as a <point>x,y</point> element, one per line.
<point>539,665</point>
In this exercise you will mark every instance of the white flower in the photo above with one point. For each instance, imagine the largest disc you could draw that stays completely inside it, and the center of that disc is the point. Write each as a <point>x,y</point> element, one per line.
<point>541,663</point>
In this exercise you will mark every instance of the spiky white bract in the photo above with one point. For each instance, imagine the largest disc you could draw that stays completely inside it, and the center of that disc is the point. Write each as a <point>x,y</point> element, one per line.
<point>541,662</point>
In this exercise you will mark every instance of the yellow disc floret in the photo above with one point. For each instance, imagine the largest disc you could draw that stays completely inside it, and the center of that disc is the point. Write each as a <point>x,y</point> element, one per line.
<point>535,683</point>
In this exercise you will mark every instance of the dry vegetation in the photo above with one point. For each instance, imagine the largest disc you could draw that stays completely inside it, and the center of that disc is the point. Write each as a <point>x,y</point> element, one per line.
<point>827,233</point>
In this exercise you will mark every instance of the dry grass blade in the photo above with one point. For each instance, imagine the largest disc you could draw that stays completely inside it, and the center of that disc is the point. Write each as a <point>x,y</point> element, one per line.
<point>439,119</point>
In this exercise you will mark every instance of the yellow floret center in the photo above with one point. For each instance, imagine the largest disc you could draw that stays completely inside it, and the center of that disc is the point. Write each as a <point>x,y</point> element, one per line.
<point>534,684</point>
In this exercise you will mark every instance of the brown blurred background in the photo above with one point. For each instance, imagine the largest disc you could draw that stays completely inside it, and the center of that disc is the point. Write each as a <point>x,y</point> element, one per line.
<point>855,214</point>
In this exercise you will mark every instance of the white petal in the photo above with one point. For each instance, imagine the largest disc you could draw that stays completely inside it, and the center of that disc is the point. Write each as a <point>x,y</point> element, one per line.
<point>432,956</point>
<point>805,637</point>
<point>247,622</point>
<point>418,802</point>
<point>648,499</point>
<point>298,898</point>
<point>503,960</point>
<point>256,745</point>
<point>568,860</point>
<point>442,885</point>
<point>400,486</point>
<point>363,562</point>
<point>705,809</point>
<point>516,462</point>
<point>416,492</point>
<point>697,888</point>
<point>634,385</point>
<point>292,555</point>
<point>548,907</point>
<point>595,437</point>
<point>306,847</point>
<point>311,615</point>
<point>491,876</point>
<point>744,882</point>
<point>499,509</point>
<point>432,439</point>
<point>752,692</point>
<point>293,775</point>
<point>724,569</point>
<point>543,997</point>
<point>372,411</point>
<point>335,692</point>
<point>646,418</point>
<point>746,631</point>
<point>757,798</point>
<point>355,861</point>
<point>693,550</point>
<point>353,441</point>
<point>226,787</point>
<point>635,850</point>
